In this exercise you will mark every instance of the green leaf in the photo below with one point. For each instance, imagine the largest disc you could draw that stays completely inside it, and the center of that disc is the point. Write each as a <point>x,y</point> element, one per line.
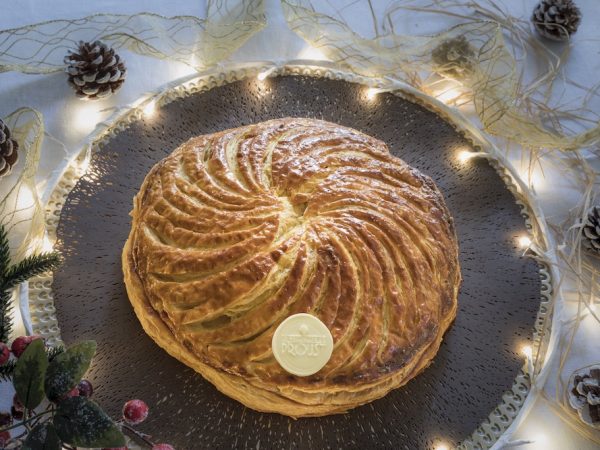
<point>82,423</point>
<point>30,371</point>
<point>42,437</point>
<point>67,368</point>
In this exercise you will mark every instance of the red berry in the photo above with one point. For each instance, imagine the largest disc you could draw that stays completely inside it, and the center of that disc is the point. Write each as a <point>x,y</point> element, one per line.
<point>4,438</point>
<point>17,408</point>
<point>21,343</point>
<point>85,388</point>
<point>162,447</point>
<point>17,403</point>
<point>72,393</point>
<point>5,419</point>
<point>18,415</point>
<point>4,353</point>
<point>135,411</point>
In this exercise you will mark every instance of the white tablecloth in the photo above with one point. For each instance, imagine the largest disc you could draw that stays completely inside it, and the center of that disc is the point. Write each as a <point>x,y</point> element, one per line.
<point>70,121</point>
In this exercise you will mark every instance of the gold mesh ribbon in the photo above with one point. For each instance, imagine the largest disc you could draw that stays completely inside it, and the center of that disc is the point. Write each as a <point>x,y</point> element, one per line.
<point>473,53</point>
<point>41,47</point>
<point>21,211</point>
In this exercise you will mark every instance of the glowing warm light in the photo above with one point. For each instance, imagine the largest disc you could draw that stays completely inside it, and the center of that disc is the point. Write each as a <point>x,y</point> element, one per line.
<point>464,155</point>
<point>524,241</point>
<point>87,116</point>
<point>442,447</point>
<point>527,351</point>
<point>536,180</point>
<point>150,108</point>
<point>262,76</point>
<point>372,93</point>
<point>540,440</point>
<point>47,244</point>
<point>312,53</point>
<point>25,199</point>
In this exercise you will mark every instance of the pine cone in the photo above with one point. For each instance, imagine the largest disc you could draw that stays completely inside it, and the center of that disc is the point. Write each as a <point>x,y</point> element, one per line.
<point>591,230</point>
<point>556,19</point>
<point>95,70</point>
<point>8,150</point>
<point>453,57</point>
<point>585,394</point>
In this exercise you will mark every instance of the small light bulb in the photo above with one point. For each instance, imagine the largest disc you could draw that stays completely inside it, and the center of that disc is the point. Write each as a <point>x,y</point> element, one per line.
<point>524,241</point>
<point>86,117</point>
<point>262,76</point>
<point>372,93</point>
<point>464,155</point>
<point>442,447</point>
<point>541,440</point>
<point>150,108</point>
<point>311,53</point>
<point>47,245</point>
<point>527,351</point>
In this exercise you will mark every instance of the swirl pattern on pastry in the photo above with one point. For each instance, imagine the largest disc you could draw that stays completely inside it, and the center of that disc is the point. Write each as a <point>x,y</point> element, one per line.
<point>237,230</point>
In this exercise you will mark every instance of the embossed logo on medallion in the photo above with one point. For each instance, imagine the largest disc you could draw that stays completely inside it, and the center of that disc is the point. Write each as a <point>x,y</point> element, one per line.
<point>302,344</point>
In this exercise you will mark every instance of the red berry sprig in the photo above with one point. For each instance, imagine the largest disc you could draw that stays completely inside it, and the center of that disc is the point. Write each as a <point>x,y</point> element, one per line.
<point>134,411</point>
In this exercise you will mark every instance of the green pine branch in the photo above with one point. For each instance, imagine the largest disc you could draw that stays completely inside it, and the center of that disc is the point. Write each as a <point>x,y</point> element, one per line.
<point>11,276</point>
<point>5,315</point>
<point>53,352</point>
<point>29,267</point>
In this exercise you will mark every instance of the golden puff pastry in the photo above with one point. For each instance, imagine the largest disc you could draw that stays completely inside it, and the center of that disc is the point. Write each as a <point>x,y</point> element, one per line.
<point>235,231</point>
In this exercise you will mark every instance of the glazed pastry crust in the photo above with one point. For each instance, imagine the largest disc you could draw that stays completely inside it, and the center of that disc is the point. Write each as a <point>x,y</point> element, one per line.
<point>237,230</point>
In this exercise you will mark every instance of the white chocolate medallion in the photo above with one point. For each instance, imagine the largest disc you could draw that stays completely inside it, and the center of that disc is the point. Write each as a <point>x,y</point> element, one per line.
<point>302,344</point>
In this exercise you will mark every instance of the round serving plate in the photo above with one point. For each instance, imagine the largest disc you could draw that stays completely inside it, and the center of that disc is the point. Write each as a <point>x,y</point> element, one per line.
<point>475,386</point>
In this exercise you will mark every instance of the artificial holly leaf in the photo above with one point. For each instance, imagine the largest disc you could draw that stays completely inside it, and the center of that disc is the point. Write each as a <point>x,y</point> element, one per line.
<point>82,423</point>
<point>42,437</point>
<point>28,378</point>
<point>67,368</point>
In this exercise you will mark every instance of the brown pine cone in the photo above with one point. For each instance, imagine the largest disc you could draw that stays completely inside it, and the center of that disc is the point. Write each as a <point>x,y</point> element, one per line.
<point>585,394</point>
<point>556,19</point>
<point>95,70</point>
<point>8,150</point>
<point>453,57</point>
<point>591,230</point>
